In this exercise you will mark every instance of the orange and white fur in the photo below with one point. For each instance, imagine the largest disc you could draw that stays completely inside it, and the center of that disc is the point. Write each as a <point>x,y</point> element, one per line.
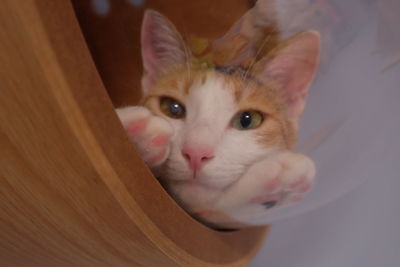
<point>220,140</point>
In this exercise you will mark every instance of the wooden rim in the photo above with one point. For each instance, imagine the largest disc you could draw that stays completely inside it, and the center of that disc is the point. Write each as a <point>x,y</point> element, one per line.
<point>76,86</point>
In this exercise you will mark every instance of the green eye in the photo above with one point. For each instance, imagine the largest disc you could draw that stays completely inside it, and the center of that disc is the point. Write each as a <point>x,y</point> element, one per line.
<point>246,120</point>
<point>172,108</point>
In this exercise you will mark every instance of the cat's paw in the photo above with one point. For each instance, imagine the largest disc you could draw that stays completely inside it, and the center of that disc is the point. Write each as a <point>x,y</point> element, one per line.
<point>275,182</point>
<point>151,134</point>
<point>286,179</point>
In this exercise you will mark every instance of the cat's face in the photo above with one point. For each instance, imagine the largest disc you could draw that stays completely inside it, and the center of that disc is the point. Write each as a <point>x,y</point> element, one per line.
<point>228,123</point>
<point>223,122</point>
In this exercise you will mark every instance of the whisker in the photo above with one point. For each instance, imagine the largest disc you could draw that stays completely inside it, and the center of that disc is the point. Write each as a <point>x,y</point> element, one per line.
<point>187,52</point>
<point>253,62</point>
<point>188,63</point>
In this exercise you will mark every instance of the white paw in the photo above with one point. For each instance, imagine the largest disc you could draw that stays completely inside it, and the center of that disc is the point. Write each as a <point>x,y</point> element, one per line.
<point>291,178</point>
<point>150,134</point>
<point>269,184</point>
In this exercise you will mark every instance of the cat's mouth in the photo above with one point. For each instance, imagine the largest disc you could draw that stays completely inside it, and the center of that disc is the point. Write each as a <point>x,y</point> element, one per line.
<point>211,175</point>
<point>195,175</point>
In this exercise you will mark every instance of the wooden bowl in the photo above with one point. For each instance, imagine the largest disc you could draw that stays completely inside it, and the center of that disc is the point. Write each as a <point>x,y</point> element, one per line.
<point>73,191</point>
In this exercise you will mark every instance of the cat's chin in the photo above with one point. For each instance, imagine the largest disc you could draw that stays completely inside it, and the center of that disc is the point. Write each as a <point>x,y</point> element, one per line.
<point>192,195</point>
<point>219,183</point>
<point>196,183</point>
<point>202,179</point>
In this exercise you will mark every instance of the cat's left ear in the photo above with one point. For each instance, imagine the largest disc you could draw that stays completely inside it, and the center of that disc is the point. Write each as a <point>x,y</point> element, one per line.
<point>162,47</point>
<point>292,66</point>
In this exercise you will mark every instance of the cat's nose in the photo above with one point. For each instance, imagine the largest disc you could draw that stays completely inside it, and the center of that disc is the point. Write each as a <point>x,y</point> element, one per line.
<point>197,156</point>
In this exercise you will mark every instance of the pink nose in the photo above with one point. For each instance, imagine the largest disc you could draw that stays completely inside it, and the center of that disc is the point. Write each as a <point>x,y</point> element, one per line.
<point>197,156</point>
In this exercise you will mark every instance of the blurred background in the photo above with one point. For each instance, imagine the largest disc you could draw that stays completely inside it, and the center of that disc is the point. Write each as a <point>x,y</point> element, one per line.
<point>351,126</point>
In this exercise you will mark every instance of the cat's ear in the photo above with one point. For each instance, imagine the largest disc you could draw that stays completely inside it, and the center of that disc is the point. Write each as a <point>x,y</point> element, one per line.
<point>292,66</point>
<point>162,47</point>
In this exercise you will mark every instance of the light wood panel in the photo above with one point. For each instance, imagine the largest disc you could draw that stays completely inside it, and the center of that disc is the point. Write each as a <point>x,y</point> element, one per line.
<point>73,192</point>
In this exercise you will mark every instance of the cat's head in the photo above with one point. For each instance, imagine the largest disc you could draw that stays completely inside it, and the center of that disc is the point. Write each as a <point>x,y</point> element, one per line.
<point>224,118</point>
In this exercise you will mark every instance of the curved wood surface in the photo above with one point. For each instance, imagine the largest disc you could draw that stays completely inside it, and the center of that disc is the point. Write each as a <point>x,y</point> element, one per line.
<point>73,192</point>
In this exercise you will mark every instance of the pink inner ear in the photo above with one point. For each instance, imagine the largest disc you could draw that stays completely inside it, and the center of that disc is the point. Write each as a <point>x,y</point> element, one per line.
<point>162,47</point>
<point>148,51</point>
<point>295,76</point>
<point>294,67</point>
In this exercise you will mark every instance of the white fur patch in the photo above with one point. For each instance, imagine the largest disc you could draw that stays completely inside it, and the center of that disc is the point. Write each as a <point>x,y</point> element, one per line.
<point>210,107</point>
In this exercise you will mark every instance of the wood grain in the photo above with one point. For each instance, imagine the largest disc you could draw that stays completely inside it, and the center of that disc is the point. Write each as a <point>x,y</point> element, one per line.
<point>73,192</point>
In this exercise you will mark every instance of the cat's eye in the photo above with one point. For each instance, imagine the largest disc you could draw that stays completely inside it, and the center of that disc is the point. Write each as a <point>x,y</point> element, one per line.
<point>246,120</point>
<point>172,108</point>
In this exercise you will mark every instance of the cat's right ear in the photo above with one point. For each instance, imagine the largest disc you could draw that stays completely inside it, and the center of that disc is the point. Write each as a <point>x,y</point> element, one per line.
<point>292,66</point>
<point>162,47</point>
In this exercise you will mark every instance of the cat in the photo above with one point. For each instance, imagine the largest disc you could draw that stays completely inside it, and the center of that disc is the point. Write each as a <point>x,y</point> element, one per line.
<point>219,137</point>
